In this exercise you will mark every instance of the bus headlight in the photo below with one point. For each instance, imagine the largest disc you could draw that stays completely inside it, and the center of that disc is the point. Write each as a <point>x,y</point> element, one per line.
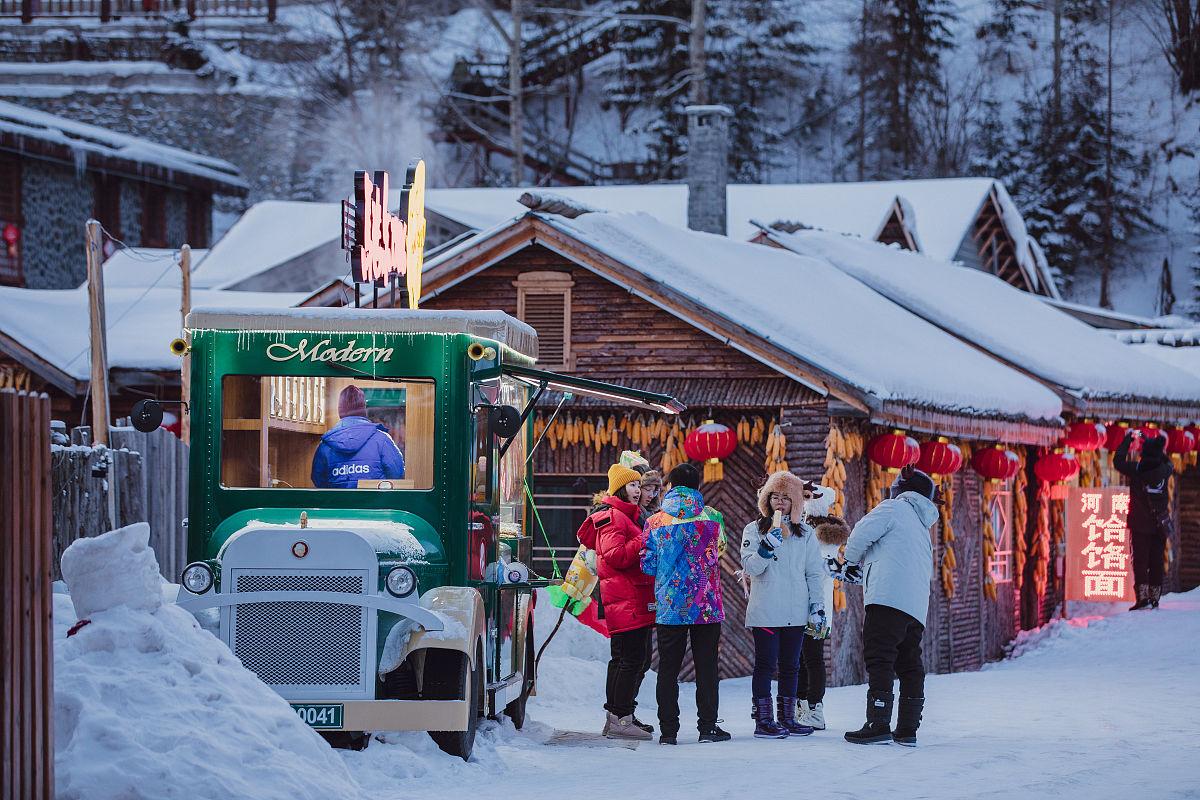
<point>197,578</point>
<point>401,581</point>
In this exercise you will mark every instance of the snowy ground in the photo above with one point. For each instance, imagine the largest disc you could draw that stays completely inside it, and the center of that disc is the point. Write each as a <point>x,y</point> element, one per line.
<point>1090,709</point>
<point>148,705</point>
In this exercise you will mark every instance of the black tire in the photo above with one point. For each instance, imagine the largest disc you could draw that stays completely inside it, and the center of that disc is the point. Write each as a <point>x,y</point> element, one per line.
<point>347,740</point>
<point>516,709</point>
<point>462,743</point>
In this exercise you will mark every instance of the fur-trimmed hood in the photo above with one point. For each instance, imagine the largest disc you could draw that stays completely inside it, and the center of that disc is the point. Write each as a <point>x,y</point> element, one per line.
<point>787,484</point>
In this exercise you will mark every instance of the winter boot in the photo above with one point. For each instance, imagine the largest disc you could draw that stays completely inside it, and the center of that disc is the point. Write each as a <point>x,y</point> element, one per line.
<point>623,728</point>
<point>908,719</point>
<point>878,729</point>
<point>814,717</point>
<point>1154,595</point>
<point>668,738</point>
<point>787,717</point>
<point>647,727</point>
<point>1143,597</point>
<point>711,733</point>
<point>765,726</point>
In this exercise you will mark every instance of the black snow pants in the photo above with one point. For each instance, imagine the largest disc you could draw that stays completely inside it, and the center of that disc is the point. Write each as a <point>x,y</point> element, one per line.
<point>672,644</point>
<point>891,649</point>
<point>631,651</point>
<point>1148,550</point>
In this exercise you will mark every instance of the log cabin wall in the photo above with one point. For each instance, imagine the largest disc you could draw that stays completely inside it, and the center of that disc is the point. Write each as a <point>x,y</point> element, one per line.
<point>844,653</point>
<point>1188,497</point>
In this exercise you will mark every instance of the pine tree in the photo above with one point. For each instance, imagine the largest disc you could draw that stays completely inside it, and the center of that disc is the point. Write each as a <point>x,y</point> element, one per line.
<point>648,83</point>
<point>898,56</point>
<point>758,55</point>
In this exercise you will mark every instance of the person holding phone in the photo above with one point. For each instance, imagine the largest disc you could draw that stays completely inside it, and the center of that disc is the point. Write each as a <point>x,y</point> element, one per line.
<point>1149,512</point>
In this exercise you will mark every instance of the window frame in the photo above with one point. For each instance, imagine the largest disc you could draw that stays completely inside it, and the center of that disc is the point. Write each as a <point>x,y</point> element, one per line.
<point>549,283</point>
<point>1000,566</point>
<point>14,274</point>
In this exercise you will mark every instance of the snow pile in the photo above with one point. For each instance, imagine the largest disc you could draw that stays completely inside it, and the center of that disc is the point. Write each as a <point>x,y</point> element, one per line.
<point>1028,642</point>
<point>147,705</point>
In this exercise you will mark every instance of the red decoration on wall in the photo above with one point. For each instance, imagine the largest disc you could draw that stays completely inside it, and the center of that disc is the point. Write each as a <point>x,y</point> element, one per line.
<point>996,463</point>
<point>1114,435</point>
<point>710,443</point>
<point>1194,430</point>
<point>894,451</point>
<point>1151,430</point>
<point>940,457</point>
<point>1056,466</point>
<point>1180,441</point>
<point>1085,436</point>
<point>12,234</point>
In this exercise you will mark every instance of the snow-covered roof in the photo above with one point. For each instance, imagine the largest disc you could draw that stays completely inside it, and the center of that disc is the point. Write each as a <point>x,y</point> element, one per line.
<point>494,325</point>
<point>1182,357</point>
<point>270,233</point>
<point>143,267</point>
<point>26,130</point>
<point>813,312</point>
<point>1013,325</point>
<point>938,212</point>
<point>53,324</point>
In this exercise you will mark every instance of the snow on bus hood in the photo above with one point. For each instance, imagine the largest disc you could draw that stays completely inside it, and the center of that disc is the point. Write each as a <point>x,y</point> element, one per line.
<point>384,536</point>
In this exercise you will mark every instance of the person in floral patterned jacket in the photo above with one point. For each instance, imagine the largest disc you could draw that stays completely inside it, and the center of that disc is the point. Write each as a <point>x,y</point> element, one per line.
<point>681,553</point>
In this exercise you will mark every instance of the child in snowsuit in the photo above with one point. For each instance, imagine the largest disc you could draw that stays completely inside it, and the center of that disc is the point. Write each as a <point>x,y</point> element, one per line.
<point>890,550</point>
<point>832,533</point>
<point>681,555</point>
<point>787,578</point>
<point>628,599</point>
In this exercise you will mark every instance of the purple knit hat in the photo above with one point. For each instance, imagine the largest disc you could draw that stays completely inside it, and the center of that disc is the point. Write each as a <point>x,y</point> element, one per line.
<point>352,402</point>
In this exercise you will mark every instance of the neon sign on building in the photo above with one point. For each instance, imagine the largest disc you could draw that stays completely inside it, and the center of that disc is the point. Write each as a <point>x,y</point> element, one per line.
<point>382,244</point>
<point>1099,561</point>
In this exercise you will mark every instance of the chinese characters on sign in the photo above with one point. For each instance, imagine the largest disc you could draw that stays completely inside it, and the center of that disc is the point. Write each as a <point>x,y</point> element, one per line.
<point>1099,561</point>
<point>382,244</point>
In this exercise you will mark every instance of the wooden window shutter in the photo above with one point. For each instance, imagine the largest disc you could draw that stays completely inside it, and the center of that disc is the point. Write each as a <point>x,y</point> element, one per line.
<point>544,302</point>
<point>154,215</point>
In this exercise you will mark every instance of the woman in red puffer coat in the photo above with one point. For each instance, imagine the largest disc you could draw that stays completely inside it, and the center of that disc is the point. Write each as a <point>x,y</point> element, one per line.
<point>628,599</point>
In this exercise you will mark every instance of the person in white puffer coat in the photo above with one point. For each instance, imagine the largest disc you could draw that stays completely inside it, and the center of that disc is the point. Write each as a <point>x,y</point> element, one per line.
<point>891,552</point>
<point>782,559</point>
<point>832,532</point>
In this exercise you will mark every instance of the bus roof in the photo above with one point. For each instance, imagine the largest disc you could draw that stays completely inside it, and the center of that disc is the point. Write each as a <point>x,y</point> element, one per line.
<point>494,325</point>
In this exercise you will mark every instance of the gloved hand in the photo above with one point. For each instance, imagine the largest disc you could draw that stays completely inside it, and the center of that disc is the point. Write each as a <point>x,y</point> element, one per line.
<point>842,571</point>
<point>853,573</point>
<point>771,540</point>
<point>817,628</point>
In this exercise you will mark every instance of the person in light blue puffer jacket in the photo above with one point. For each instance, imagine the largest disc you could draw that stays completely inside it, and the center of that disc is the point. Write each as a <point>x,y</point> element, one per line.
<point>891,551</point>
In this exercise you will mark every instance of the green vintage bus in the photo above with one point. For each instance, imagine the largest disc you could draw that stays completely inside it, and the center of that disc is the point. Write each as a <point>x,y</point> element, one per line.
<point>370,599</point>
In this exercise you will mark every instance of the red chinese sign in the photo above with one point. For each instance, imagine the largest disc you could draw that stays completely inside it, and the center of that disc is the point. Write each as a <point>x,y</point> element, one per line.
<point>382,244</point>
<point>1099,548</point>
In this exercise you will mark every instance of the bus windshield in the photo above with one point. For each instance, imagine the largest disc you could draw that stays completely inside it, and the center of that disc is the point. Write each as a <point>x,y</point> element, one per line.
<point>320,432</point>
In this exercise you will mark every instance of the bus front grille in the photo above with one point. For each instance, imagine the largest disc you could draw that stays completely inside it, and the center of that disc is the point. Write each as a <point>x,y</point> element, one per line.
<point>302,646</point>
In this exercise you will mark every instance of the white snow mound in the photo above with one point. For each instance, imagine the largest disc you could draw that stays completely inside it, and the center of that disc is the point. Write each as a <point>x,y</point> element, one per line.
<point>117,568</point>
<point>149,705</point>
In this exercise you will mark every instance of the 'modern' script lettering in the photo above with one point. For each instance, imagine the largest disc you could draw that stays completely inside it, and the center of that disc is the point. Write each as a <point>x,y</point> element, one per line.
<point>325,351</point>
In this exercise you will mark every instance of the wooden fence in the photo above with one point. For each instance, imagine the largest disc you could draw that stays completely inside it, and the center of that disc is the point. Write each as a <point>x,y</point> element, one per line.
<point>113,10</point>
<point>26,663</point>
<point>141,478</point>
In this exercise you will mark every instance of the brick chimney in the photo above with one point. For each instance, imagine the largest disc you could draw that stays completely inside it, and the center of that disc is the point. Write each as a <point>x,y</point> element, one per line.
<point>707,167</point>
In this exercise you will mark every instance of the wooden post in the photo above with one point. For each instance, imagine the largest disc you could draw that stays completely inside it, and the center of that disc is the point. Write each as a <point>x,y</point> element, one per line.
<point>26,11</point>
<point>99,334</point>
<point>272,10</point>
<point>105,10</point>
<point>516,99</point>
<point>185,369</point>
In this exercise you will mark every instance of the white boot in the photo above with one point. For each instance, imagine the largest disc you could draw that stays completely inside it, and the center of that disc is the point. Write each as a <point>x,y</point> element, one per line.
<point>801,710</point>
<point>814,716</point>
<point>623,728</point>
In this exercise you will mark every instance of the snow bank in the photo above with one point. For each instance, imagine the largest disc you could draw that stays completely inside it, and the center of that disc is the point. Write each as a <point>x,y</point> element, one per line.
<point>117,568</point>
<point>148,705</point>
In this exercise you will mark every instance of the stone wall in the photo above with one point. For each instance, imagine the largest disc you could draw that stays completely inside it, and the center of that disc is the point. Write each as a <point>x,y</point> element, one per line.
<point>55,202</point>
<point>131,214</point>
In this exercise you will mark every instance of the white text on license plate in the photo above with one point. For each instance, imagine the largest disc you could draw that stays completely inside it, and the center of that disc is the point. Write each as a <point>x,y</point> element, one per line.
<point>319,715</point>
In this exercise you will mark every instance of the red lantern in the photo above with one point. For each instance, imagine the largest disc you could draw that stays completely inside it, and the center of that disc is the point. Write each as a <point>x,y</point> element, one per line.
<point>1085,436</point>
<point>894,451</point>
<point>1114,435</point>
<point>1150,430</point>
<point>996,463</point>
<point>710,443</point>
<point>1180,441</point>
<point>12,234</point>
<point>940,457</point>
<point>1057,466</point>
<point>1194,430</point>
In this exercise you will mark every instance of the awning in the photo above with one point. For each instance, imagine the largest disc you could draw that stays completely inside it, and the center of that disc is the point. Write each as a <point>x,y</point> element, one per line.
<point>569,384</point>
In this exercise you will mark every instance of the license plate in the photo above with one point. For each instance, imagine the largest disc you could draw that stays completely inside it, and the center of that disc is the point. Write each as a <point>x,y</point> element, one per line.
<point>319,715</point>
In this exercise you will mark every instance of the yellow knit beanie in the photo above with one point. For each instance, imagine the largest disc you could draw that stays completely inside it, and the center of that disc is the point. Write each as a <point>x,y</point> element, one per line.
<point>619,475</point>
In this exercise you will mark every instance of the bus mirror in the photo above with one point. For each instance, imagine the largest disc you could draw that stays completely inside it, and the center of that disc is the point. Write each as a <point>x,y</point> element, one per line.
<point>146,416</point>
<point>505,420</point>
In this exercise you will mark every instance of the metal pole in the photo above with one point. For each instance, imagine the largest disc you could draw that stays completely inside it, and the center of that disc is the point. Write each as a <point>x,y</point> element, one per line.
<point>99,334</point>
<point>185,373</point>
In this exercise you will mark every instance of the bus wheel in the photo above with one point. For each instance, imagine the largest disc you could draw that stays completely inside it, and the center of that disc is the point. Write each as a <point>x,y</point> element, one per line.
<point>516,709</point>
<point>461,743</point>
<point>347,740</point>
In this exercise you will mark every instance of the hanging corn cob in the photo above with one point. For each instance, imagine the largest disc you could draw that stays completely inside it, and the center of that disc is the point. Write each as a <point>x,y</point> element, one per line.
<point>1020,520</point>
<point>949,560</point>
